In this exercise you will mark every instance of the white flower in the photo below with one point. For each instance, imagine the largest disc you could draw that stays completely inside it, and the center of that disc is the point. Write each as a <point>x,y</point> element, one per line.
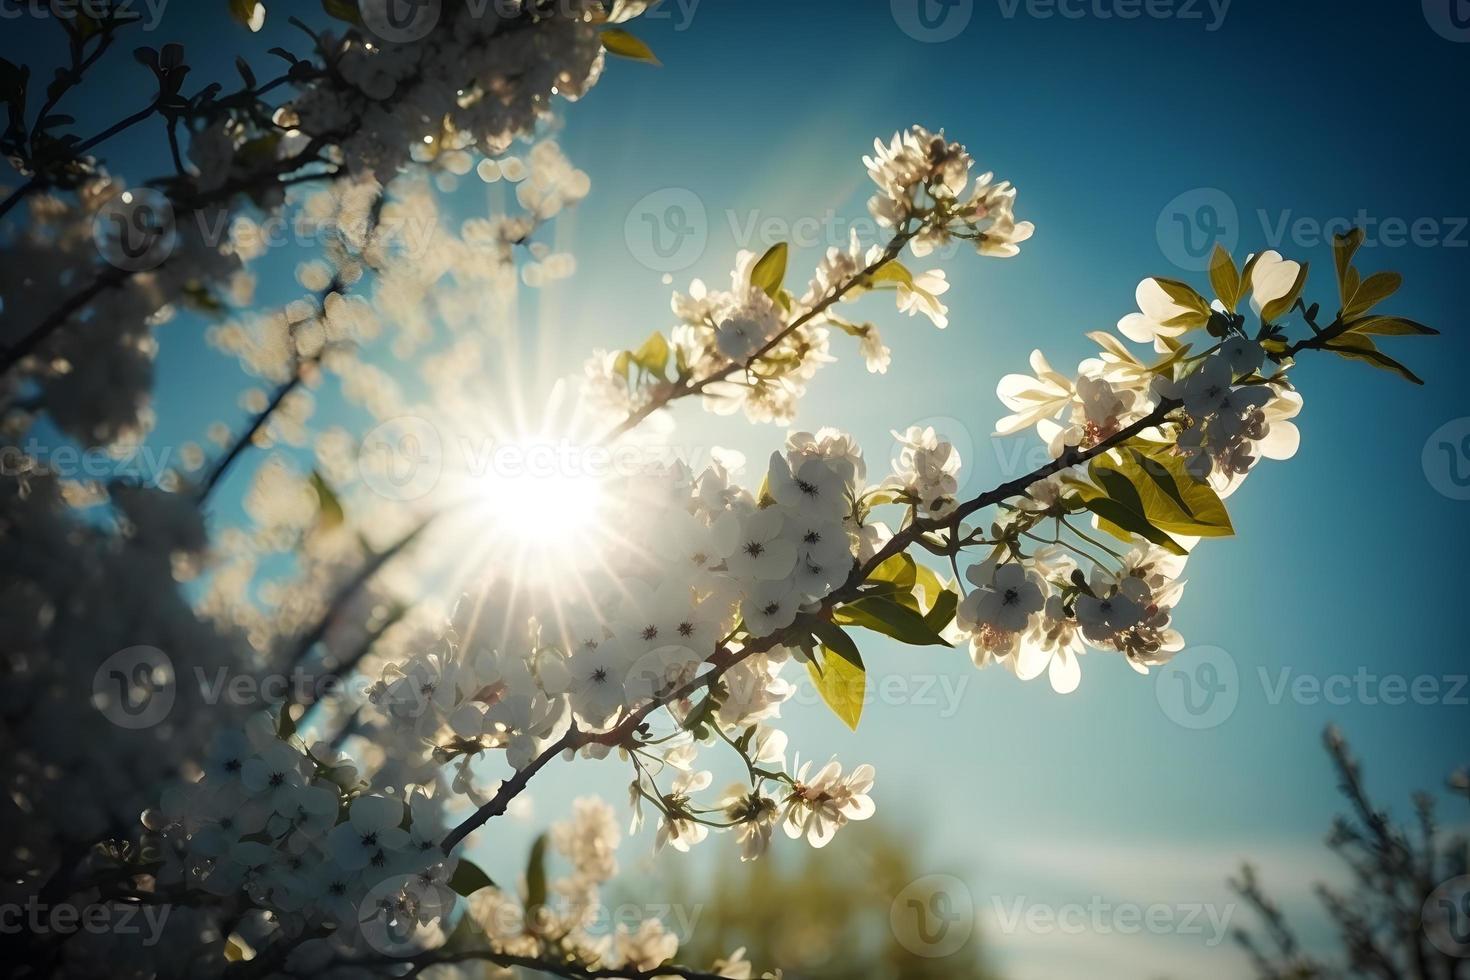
<point>680,831</point>
<point>371,835</point>
<point>1005,597</point>
<point>596,686</point>
<point>274,775</point>
<point>755,547</point>
<point>926,470</point>
<point>818,806</point>
<point>650,946</point>
<point>809,488</point>
<point>1160,316</point>
<point>1032,399</point>
<point>921,295</point>
<point>770,607</point>
<point>1052,644</point>
<point>1272,278</point>
<point>876,355</point>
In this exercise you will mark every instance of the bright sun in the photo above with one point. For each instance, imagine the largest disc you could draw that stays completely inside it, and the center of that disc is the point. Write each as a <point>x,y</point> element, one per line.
<point>544,513</point>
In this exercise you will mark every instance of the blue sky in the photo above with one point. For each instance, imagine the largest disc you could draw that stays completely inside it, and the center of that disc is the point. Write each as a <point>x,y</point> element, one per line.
<point>1119,132</point>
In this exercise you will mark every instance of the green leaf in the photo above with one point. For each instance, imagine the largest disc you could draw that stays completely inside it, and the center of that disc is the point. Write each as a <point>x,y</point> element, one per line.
<point>841,678</point>
<point>469,878</point>
<point>1344,247</point>
<point>619,42</point>
<point>943,611</point>
<point>285,724</point>
<point>885,615</point>
<point>1166,494</point>
<point>536,875</point>
<point>770,271</point>
<point>1391,326</point>
<point>344,10</point>
<point>329,506</point>
<point>653,356</point>
<point>1121,521</point>
<point>894,271</point>
<point>1224,277</point>
<point>1372,291</point>
<point>1359,348</point>
<point>895,578</point>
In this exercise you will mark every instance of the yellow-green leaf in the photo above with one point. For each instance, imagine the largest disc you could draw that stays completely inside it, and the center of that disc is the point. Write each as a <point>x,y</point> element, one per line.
<point>329,506</point>
<point>1391,326</point>
<point>890,617</point>
<point>840,678</point>
<point>770,270</point>
<point>653,356</point>
<point>619,42</point>
<point>344,10</point>
<point>1344,247</point>
<point>1372,291</point>
<point>1225,278</point>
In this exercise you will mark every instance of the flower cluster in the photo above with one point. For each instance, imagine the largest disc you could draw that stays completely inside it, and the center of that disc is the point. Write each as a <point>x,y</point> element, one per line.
<point>922,176</point>
<point>756,346</point>
<point>296,831</point>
